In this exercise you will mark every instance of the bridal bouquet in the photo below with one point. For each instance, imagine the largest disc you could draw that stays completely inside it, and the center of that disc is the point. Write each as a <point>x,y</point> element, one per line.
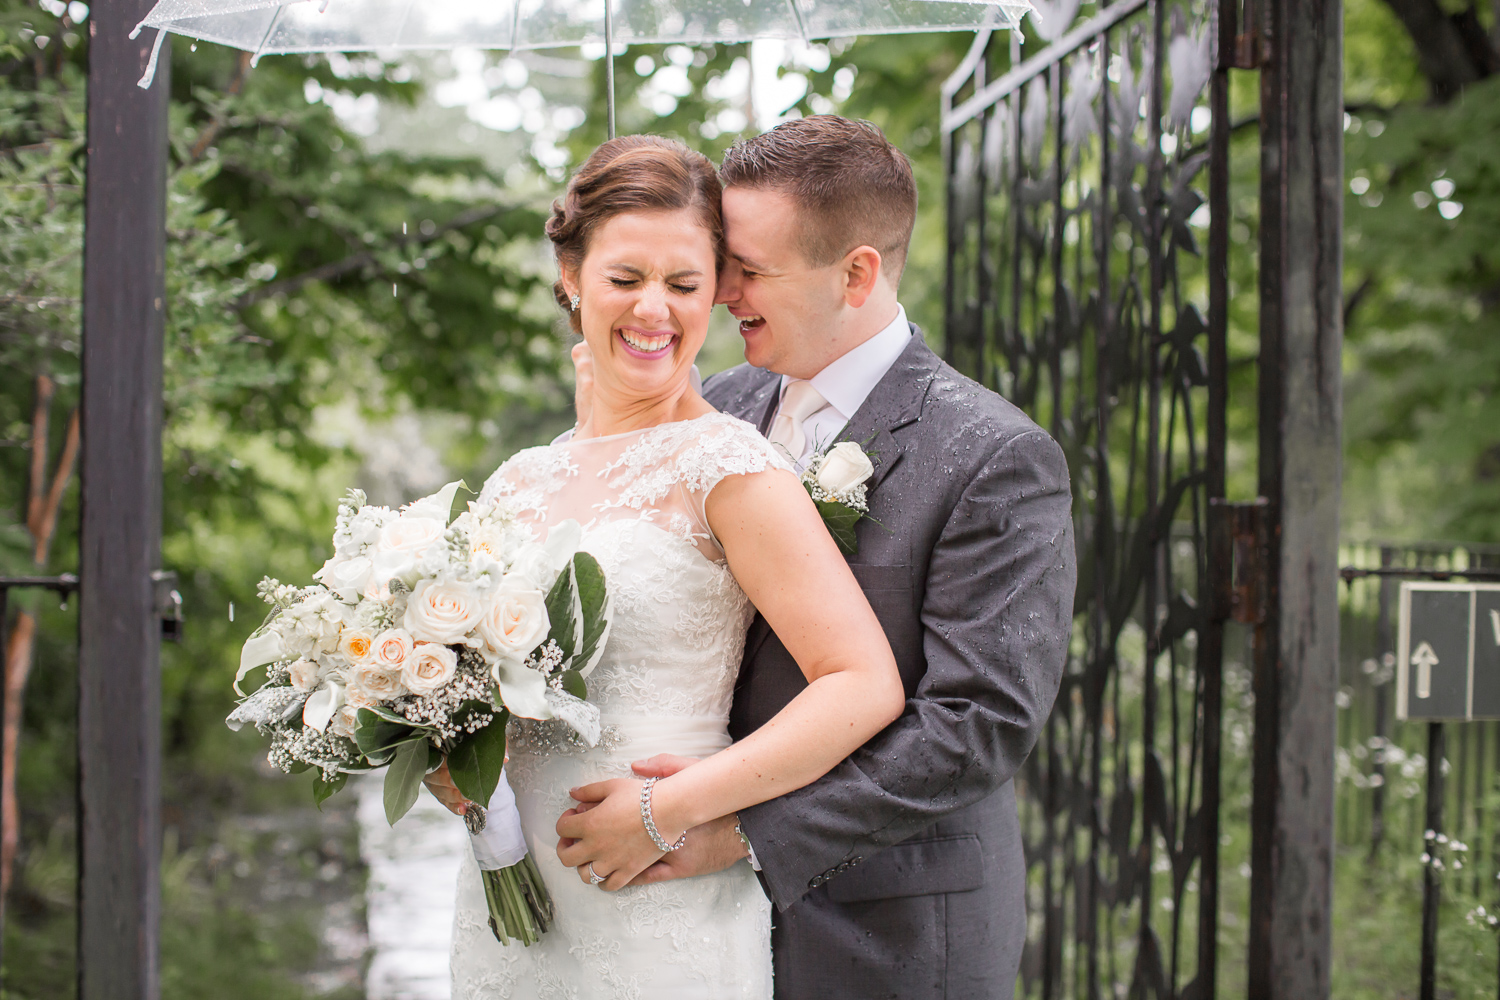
<point>420,639</point>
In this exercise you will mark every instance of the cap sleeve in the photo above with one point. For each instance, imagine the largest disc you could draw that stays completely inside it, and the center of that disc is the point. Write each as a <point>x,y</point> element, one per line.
<point>728,447</point>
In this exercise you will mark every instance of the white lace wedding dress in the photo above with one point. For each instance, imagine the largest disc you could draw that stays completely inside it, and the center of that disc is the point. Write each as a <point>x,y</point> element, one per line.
<point>663,686</point>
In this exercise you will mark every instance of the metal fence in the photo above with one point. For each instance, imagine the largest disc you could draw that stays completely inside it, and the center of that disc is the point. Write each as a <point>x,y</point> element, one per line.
<point>1079,287</point>
<point>1414,790</point>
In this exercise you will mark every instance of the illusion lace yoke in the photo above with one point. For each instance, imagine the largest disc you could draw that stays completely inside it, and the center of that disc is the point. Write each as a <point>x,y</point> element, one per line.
<point>663,685</point>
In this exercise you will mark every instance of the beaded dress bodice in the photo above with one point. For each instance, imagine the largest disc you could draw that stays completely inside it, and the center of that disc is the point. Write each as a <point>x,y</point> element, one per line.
<point>663,685</point>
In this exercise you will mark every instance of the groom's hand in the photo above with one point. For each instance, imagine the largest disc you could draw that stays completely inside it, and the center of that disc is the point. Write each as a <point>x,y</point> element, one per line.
<point>710,848</point>
<point>583,386</point>
<point>663,765</point>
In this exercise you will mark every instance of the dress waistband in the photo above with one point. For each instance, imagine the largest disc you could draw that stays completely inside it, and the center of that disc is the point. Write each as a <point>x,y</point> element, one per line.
<point>631,736</point>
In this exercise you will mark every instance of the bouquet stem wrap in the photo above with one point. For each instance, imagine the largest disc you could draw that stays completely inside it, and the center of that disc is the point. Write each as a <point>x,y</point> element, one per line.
<point>520,905</point>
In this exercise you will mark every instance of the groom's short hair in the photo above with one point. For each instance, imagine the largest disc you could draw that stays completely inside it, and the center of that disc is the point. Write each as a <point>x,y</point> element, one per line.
<point>853,187</point>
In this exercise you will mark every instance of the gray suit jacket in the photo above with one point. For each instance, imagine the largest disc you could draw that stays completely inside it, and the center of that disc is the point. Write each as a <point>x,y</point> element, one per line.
<point>899,874</point>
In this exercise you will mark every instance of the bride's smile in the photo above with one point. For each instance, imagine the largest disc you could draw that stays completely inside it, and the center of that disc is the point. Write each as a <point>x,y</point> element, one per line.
<point>645,293</point>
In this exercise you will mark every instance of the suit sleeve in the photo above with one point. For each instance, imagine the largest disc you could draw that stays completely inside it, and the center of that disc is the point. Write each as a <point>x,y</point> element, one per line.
<point>996,619</point>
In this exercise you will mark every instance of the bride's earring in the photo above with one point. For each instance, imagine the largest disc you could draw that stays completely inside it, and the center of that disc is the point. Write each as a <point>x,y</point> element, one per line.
<point>574,301</point>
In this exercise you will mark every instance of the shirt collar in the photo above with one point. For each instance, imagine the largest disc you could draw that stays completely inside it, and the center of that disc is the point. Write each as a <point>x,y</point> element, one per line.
<point>848,380</point>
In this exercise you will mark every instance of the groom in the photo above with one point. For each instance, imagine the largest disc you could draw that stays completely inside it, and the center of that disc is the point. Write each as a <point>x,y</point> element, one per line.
<point>898,874</point>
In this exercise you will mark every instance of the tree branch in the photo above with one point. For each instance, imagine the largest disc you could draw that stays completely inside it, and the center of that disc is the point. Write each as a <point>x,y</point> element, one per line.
<point>47,525</point>
<point>1356,297</point>
<point>1452,49</point>
<point>211,132</point>
<point>355,262</point>
<point>41,411</point>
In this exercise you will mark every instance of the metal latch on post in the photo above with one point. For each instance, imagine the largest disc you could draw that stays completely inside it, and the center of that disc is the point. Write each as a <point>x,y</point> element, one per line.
<point>1239,555</point>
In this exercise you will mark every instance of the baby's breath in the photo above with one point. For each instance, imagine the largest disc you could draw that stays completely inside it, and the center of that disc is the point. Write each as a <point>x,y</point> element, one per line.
<point>547,661</point>
<point>853,497</point>
<point>440,710</point>
<point>297,743</point>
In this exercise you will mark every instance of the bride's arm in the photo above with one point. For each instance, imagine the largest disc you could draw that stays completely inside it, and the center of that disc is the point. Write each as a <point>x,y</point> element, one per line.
<point>788,565</point>
<point>783,557</point>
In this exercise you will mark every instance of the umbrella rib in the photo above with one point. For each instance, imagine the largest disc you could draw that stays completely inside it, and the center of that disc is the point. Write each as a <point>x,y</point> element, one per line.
<point>405,17</point>
<point>515,25</point>
<point>797,16</point>
<point>609,64</point>
<point>255,56</point>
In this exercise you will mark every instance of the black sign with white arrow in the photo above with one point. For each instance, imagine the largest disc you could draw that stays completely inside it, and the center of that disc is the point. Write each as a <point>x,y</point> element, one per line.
<point>1448,651</point>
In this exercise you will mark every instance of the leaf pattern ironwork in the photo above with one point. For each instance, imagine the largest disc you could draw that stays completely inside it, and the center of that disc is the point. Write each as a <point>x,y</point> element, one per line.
<point>1078,290</point>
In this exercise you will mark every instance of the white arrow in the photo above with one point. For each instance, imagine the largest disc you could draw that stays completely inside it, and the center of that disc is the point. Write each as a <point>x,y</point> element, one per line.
<point>1425,659</point>
<point>1495,624</point>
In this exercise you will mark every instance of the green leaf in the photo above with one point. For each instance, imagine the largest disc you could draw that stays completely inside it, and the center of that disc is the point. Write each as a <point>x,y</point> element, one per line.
<point>592,600</point>
<point>475,763</point>
<point>572,682</point>
<point>298,766</point>
<point>841,521</point>
<point>403,779</point>
<point>323,790</point>
<point>562,610</point>
<point>374,733</point>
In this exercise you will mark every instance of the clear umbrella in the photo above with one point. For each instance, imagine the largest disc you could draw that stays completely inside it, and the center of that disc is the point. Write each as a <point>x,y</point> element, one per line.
<point>273,26</point>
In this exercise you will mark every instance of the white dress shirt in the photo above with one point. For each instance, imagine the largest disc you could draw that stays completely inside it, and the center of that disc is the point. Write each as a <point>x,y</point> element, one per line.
<point>847,382</point>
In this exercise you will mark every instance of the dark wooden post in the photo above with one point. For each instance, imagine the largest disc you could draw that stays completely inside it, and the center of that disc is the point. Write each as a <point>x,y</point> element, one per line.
<point>119,699</point>
<point>1296,669</point>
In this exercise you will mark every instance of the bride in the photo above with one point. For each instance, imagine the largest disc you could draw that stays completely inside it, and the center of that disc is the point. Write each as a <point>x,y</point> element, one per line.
<point>697,521</point>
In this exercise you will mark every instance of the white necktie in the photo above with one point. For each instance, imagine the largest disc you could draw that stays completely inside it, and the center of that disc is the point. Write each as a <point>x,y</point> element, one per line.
<point>800,401</point>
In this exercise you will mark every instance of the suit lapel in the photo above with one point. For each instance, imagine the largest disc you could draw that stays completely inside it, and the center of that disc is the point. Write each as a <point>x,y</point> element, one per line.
<point>895,402</point>
<point>767,398</point>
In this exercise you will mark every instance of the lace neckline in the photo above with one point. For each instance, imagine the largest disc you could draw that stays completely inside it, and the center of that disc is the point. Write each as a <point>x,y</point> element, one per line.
<point>645,430</point>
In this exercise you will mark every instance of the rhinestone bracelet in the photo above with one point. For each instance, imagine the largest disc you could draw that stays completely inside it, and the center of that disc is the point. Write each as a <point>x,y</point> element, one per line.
<point>651,830</point>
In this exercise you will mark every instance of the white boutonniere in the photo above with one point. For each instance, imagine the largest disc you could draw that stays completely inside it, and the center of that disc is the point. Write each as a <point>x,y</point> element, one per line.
<point>835,479</point>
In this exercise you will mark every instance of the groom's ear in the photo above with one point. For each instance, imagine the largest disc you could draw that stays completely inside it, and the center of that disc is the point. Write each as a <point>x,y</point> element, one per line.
<point>861,269</point>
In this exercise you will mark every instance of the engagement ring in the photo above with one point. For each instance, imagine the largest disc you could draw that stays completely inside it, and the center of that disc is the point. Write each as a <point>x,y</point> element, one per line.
<point>594,877</point>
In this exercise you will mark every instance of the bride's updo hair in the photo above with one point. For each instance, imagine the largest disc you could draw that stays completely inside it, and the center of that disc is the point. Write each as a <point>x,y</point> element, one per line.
<point>632,173</point>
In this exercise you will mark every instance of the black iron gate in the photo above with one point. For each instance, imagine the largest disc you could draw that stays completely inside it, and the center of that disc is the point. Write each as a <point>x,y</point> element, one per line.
<point>1088,281</point>
<point>1077,289</point>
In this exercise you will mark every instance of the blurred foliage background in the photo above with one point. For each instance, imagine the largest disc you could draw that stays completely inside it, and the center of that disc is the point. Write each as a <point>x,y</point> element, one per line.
<point>359,294</point>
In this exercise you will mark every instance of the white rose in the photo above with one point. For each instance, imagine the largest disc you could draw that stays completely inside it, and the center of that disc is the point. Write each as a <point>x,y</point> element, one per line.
<point>442,612</point>
<point>391,649</point>
<point>357,697</point>
<point>410,535</point>
<point>429,667</point>
<point>346,577</point>
<point>304,674</point>
<point>515,622</point>
<point>356,644</point>
<point>378,682</point>
<point>345,720</point>
<point>402,543</point>
<point>844,467</point>
<point>533,568</point>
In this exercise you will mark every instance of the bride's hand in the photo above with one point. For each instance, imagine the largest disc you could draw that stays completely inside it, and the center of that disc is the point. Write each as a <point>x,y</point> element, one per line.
<point>441,785</point>
<point>606,831</point>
